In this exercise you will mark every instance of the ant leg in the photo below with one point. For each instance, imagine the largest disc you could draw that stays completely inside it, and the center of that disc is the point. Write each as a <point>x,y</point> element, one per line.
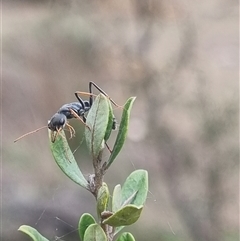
<point>101,91</point>
<point>82,102</point>
<point>71,130</point>
<point>77,93</point>
<point>54,134</point>
<point>90,91</point>
<point>77,117</point>
<point>79,99</point>
<point>84,93</point>
<point>93,95</point>
<point>108,147</point>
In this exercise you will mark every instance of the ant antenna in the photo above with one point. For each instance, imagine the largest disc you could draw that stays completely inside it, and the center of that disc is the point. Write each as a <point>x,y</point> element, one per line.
<point>29,133</point>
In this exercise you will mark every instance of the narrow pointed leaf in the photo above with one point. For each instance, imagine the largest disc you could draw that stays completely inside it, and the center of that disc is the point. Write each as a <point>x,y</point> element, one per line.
<point>97,121</point>
<point>85,221</point>
<point>32,233</point>
<point>65,159</point>
<point>110,122</point>
<point>122,132</point>
<point>94,233</point>
<point>125,216</point>
<point>126,237</point>
<point>136,188</point>
<point>116,198</point>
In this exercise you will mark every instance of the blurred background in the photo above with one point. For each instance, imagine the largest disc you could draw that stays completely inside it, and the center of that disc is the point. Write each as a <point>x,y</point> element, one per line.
<point>180,58</point>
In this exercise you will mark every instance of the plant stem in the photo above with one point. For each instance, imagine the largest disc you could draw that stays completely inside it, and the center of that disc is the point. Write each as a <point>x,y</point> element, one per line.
<point>98,175</point>
<point>108,231</point>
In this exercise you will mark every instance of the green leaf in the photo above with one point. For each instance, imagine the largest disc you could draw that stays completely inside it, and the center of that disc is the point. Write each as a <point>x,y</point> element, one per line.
<point>85,221</point>
<point>65,159</point>
<point>102,198</point>
<point>32,233</point>
<point>128,215</point>
<point>110,122</point>
<point>94,233</point>
<point>126,237</point>
<point>97,123</point>
<point>116,198</point>
<point>122,132</point>
<point>135,188</point>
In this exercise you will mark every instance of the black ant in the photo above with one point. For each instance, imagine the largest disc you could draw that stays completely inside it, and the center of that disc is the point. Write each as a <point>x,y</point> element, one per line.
<point>69,111</point>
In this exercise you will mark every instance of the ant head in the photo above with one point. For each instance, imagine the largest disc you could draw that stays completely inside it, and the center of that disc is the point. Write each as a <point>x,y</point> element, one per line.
<point>57,122</point>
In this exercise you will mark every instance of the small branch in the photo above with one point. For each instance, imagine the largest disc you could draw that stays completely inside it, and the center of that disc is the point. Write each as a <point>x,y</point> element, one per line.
<point>98,175</point>
<point>108,231</point>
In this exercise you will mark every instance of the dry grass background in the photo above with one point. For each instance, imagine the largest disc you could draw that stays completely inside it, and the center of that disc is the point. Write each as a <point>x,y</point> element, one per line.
<point>180,58</point>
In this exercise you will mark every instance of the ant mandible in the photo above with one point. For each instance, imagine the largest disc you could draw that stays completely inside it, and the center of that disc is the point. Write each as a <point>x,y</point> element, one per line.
<point>69,111</point>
